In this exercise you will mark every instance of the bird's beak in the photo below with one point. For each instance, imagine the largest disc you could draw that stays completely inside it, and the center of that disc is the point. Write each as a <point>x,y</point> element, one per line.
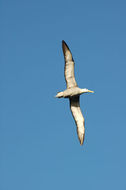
<point>91,91</point>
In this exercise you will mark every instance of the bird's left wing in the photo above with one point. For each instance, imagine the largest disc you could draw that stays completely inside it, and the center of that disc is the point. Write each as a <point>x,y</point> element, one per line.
<point>78,117</point>
<point>69,66</point>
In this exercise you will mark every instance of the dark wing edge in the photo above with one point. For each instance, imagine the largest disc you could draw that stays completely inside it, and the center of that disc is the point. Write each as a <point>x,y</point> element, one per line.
<point>69,66</point>
<point>78,117</point>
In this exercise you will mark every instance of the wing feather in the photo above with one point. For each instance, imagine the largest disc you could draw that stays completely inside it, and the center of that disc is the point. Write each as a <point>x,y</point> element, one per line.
<point>78,117</point>
<point>69,66</point>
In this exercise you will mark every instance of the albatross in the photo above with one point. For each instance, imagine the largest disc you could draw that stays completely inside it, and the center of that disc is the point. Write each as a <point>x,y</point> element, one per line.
<point>73,92</point>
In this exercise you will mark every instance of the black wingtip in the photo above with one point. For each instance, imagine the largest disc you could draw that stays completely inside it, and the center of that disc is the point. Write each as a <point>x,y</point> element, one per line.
<point>64,44</point>
<point>65,48</point>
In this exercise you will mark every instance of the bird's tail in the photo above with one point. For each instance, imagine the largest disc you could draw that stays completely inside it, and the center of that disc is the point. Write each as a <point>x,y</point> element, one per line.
<point>59,95</point>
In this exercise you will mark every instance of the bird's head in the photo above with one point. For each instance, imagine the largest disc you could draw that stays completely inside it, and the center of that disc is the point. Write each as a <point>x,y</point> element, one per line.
<point>85,90</point>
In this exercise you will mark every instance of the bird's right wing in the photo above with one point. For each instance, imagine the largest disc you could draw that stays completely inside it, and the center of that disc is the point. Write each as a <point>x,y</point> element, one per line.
<point>69,66</point>
<point>78,117</point>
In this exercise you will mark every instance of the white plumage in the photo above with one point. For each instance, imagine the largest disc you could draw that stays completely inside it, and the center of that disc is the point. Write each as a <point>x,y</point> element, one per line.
<point>73,92</point>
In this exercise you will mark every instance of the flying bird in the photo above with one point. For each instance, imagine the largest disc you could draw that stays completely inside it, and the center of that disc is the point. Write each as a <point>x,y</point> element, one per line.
<point>73,92</point>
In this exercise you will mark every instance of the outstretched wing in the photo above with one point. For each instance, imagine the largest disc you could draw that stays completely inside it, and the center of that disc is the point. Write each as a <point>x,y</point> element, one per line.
<point>69,66</point>
<point>78,117</point>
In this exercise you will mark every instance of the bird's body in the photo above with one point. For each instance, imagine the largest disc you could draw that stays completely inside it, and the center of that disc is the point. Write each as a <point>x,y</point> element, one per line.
<point>73,92</point>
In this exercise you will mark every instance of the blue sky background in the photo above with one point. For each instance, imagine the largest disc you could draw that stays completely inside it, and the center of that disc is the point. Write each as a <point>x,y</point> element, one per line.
<point>39,147</point>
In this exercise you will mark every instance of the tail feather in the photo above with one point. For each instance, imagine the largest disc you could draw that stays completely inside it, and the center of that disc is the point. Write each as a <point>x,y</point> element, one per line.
<point>59,95</point>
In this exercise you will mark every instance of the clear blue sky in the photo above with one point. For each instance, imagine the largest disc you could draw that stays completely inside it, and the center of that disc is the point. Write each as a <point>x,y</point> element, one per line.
<point>39,148</point>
